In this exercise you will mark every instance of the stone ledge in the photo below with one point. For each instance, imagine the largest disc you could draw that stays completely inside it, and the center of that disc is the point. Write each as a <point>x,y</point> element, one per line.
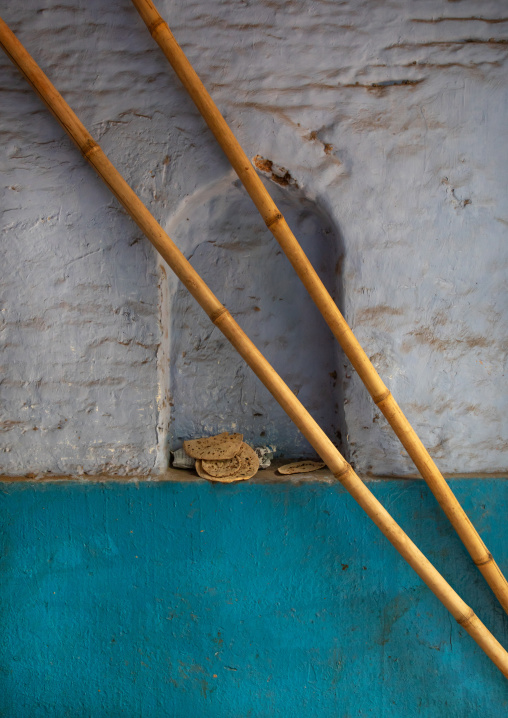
<point>264,476</point>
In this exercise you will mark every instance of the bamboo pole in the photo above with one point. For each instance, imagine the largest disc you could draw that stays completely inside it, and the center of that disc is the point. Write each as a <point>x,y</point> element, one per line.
<point>221,318</point>
<point>276,223</point>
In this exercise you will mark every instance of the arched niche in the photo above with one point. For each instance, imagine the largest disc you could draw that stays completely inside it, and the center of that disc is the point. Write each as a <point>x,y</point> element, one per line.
<point>211,388</point>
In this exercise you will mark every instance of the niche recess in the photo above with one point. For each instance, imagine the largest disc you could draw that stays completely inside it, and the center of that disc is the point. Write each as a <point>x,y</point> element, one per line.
<point>211,389</point>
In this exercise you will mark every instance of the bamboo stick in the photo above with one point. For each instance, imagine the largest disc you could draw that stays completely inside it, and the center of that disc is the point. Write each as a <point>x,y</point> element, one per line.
<point>276,223</point>
<point>221,318</point>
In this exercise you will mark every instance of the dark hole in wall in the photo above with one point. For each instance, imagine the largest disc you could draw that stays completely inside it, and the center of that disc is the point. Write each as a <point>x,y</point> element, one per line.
<point>212,389</point>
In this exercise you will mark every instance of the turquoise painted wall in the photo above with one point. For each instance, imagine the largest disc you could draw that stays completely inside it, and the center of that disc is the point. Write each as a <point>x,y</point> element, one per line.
<point>191,600</point>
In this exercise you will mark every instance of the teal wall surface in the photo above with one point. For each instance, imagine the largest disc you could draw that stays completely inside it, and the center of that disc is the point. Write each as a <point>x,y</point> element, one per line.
<point>243,601</point>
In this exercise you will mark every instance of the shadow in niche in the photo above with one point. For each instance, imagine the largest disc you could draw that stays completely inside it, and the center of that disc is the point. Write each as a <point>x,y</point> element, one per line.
<point>211,387</point>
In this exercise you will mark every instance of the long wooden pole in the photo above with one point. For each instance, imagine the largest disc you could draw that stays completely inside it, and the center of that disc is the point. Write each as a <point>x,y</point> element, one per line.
<point>221,317</point>
<point>342,332</point>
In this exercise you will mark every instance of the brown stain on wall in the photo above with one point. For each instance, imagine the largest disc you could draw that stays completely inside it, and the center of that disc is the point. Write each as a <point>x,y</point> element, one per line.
<point>447,65</point>
<point>447,43</point>
<point>382,87</point>
<point>277,174</point>
<point>10,424</point>
<point>381,310</point>
<point>425,335</point>
<point>475,18</point>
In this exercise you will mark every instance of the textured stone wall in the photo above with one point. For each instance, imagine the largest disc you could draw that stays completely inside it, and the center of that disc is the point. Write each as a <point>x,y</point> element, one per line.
<point>387,125</point>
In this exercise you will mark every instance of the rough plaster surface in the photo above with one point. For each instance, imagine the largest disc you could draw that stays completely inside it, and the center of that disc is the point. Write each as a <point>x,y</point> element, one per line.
<point>212,388</point>
<point>168,599</point>
<point>390,118</point>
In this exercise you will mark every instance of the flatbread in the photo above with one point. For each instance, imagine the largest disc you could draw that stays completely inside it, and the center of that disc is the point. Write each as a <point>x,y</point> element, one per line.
<point>249,464</point>
<point>221,467</point>
<point>249,461</point>
<point>221,479</point>
<point>300,467</point>
<point>221,446</point>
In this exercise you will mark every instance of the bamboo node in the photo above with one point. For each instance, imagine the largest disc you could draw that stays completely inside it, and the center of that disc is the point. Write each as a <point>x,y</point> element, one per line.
<point>89,147</point>
<point>382,397</point>
<point>272,220</point>
<point>464,620</point>
<point>154,26</point>
<point>340,474</point>
<point>216,316</point>
<point>485,561</point>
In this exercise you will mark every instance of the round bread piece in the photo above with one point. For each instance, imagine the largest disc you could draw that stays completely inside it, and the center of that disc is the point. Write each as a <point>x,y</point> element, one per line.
<point>249,461</point>
<point>221,468</point>
<point>300,467</point>
<point>249,464</point>
<point>221,479</point>
<point>219,447</point>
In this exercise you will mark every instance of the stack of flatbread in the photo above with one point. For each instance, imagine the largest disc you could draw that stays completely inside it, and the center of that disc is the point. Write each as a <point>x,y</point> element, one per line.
<point>224,457</point>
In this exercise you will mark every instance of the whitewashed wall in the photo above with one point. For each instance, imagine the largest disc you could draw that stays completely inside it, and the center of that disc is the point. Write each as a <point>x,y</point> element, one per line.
<point>391,121</point>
